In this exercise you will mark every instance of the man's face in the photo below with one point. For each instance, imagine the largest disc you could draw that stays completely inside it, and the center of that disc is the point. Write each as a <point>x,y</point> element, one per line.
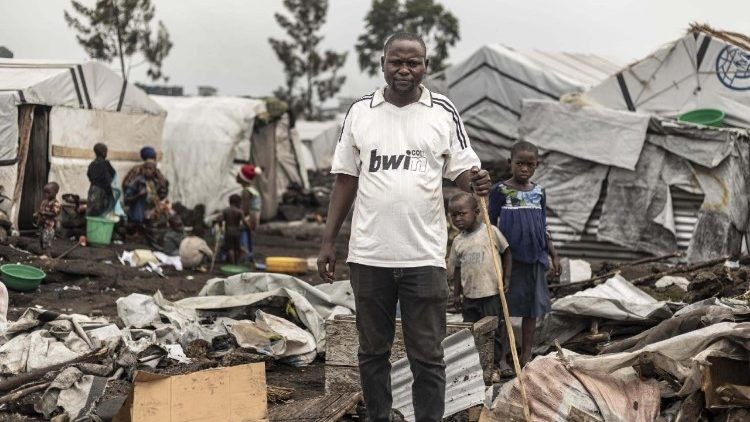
<point>404,65</point>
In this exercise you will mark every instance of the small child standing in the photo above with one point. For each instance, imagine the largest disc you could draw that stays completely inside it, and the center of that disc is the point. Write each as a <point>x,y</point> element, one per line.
<point>46,217</point>
<point>473,271</point>
<point>518,207</point>
<point>234,222</point>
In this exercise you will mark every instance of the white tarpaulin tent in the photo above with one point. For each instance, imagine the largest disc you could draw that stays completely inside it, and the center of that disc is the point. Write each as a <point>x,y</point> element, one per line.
<point>202,138</point>
<point>51,115</point>
<point>319,140</point>
<point>207,139</point>
<point>703,69</point>
<point>489,87</point>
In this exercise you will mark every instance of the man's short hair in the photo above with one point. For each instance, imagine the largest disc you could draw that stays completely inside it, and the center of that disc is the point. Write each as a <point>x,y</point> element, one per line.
<point>404,36</point>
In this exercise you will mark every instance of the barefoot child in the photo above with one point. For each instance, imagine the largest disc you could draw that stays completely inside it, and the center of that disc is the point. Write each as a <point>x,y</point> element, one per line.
<point>517,206</point>
<point>46,217</point>
<point>473,270</point>
<point>233,219</point>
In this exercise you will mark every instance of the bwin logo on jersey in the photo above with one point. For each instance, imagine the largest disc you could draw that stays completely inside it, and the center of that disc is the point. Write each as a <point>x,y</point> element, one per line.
<point>414,160</point>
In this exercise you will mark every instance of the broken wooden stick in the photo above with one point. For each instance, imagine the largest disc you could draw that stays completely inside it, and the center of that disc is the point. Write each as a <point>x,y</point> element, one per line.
<point>678,270</point>
<point>504,303</point>
<point>27,377</point>
<point>616,270</point>
<point>16,395</point>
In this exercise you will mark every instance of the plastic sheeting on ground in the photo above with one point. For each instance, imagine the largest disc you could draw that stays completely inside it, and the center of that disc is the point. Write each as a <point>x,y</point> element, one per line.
<point>275,336</point>
<point>39,339</point>
<point>680,356</point>
<point>556,392</point>
<point>463,374</point>
<point>615,299</point>
<point>313,304</point>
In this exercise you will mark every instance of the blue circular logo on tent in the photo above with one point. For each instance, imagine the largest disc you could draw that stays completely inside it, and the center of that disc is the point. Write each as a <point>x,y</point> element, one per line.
<point>733,68</point>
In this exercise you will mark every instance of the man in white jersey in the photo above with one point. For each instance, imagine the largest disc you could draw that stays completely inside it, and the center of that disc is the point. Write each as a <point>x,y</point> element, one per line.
<point>396,146</point>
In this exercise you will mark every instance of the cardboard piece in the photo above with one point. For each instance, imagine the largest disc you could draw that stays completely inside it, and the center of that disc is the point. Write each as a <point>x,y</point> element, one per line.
<point>235,393</point>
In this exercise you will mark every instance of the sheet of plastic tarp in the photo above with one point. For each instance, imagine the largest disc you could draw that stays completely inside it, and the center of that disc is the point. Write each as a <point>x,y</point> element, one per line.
<point>554,390</point>
<point>8,126</point>
<point>313,304</point>
<point>573,187</point>
<point>290,168</point>
<point>585,132</point>
<point>615,299</point>
<point>695,71</point>
<point>201,136</point>
<point>645,191</point>
<point>464,386</point>
<point>488,87</point>
<point>77,130</point>
<point>90,85</point>
<point>320,139</point>
<point>681,356</point>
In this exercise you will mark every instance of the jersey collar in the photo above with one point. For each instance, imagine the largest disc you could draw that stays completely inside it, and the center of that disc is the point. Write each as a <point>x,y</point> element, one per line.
<point>378,98</point>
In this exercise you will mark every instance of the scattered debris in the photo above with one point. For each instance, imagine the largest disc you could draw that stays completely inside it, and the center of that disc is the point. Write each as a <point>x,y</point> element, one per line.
<point>328,408</point>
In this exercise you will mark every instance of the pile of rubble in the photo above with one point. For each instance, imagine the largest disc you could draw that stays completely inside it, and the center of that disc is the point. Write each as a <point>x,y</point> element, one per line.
<point>666,342</point>
<point>75,367</point>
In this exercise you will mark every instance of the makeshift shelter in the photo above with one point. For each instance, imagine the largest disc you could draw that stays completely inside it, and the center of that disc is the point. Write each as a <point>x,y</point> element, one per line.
<point>488,87</point>
<point>207,139</point>
<point>663,185</point>
<point>703,69</point>
<point>319,141</point>
<point>52,114</point>
<point>640,194</point>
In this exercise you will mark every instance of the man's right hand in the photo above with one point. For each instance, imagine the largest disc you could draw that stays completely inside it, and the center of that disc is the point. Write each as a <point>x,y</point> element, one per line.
<point>457,302</point>
<point>327,262</point>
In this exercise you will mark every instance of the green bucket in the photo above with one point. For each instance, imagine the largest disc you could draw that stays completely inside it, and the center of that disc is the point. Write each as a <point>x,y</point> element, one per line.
<point>21,277</point>
<point>234,269</point>
<point>703,116</point>
<point>99,230</point>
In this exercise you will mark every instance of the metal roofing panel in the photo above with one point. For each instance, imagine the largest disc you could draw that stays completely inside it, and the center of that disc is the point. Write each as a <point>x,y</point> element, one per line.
<point>463,375</point>
<point>568,243</point>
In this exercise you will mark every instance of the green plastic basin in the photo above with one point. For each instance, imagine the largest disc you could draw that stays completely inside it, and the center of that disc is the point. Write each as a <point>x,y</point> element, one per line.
<point>99,230</point>
<point>703,116</point>
<point>21,277</point>
<point>234,269</point>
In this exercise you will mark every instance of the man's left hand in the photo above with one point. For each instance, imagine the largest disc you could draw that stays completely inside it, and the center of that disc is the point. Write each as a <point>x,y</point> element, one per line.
<point>480,180</point>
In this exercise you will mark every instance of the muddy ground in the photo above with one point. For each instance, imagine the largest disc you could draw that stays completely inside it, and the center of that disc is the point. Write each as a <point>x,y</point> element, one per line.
<point>95,294</point>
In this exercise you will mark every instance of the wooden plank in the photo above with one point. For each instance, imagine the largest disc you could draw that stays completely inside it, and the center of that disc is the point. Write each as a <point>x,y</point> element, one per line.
<point>88,153</point>
<point>328,408</point>
<point>340,379</point>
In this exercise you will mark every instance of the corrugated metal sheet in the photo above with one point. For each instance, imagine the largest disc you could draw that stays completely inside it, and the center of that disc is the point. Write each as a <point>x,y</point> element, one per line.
<point>686,207</point>
<point>463,374</point>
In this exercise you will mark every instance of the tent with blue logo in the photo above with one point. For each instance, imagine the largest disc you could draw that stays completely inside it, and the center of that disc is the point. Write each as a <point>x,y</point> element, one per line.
<point>704,69</point>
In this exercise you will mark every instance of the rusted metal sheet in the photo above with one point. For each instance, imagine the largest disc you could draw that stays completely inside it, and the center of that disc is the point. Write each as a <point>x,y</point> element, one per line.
<point>686,207</point>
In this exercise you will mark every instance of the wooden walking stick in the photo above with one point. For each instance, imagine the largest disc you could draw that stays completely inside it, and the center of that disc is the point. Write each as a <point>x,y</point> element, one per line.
<point>506,316</point>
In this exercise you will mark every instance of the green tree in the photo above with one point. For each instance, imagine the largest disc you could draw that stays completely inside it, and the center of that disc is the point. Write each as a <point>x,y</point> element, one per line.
<point>311,75</point>
<point>438,27</point>
<point>5,52</point>
<point>121,29</point>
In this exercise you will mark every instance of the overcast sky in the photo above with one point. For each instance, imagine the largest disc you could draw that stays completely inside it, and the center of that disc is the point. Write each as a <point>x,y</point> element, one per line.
<point>224,43</point>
